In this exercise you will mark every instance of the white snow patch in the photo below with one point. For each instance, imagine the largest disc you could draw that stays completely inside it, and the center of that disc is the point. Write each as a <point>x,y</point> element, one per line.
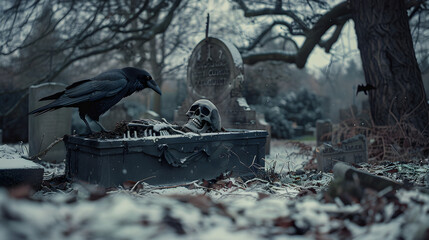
<point>159,126</point>
<point>264,211</point>
<point>243,103</point>
<point>287,158</point>
<point>176,191</point>
<point>11,159</point>
<point>313,212</point>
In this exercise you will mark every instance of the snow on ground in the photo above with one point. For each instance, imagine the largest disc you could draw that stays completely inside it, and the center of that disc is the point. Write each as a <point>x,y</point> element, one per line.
<point>288,156</point>
<point>128,215</point>
<point>10,159</point>
<point>293,206</point>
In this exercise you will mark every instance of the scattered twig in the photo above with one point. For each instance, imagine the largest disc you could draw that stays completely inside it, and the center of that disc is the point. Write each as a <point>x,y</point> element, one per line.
<point>140,181</point>
<point>44,152</point>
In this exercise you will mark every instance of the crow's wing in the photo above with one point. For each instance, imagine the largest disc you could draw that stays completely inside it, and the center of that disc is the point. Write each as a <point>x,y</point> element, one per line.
<point>91,91</point>
<point>110,75</point>
<point>59,94</point>
<point>105,85</point>
<point>86,91</point>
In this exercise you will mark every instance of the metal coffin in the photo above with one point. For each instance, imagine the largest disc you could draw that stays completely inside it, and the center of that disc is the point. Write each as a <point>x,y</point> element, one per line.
<point>165,159</point>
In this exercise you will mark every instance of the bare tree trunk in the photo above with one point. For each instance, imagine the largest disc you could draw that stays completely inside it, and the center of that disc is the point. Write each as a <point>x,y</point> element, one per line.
<point>389,63</point>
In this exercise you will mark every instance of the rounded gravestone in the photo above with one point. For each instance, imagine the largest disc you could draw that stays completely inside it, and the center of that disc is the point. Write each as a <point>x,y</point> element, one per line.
<point>215,68</point>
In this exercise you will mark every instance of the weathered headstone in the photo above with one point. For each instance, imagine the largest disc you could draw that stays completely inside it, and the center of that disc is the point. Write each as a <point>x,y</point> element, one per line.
<point>352,150</point>
<point>46,128</point>
<point>215,72</point>
<point>323,131</point>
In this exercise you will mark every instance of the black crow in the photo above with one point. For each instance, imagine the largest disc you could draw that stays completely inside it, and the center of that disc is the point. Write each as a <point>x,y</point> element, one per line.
<point>95,96</point>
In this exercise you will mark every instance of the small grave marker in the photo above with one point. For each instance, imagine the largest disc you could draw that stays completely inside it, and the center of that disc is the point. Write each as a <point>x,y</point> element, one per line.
<point>352,150</point>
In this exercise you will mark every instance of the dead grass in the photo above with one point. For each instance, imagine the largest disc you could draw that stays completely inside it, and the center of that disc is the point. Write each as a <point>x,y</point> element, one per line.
<point>398,142</point>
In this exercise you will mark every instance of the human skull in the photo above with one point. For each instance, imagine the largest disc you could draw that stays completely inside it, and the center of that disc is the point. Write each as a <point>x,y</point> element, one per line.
<point>203,117</point>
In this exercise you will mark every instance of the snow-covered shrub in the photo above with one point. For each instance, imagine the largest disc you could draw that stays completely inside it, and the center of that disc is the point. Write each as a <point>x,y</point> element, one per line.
<point>287,112</point>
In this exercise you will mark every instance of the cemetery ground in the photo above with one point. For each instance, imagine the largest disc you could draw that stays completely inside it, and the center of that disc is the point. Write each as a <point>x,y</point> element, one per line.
<point>290,200</point>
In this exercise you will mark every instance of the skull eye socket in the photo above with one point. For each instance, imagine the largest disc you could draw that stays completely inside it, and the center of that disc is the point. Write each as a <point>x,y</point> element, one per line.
<point>205,111</point>
<point>193,108</point>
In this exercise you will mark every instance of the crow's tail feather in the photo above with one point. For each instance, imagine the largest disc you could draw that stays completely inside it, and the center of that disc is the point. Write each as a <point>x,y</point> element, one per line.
<point>53,96</point>
<point>44,109</point>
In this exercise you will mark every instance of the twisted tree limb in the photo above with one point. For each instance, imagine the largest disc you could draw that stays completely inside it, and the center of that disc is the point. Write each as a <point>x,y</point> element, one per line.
<point>337,16</point>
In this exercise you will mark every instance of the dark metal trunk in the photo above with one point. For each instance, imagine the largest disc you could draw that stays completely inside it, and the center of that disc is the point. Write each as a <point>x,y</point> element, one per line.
<point>389,63</point>
<point>171,159</point>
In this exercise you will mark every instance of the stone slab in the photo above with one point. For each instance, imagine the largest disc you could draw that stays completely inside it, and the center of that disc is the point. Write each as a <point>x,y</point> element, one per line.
<point>368,180</point>
<point>15,171</point>
<point>21,176</point>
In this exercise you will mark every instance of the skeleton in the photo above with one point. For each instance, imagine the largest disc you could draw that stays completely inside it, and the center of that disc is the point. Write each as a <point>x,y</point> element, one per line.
<point>151,127</point>
<point>203,117</point>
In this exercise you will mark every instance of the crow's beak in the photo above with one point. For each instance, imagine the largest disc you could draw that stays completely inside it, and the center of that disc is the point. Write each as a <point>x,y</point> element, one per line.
<point>152,84</point>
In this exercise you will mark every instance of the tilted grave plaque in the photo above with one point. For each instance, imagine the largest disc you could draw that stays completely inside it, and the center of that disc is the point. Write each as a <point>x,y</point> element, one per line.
<point>215,72</point>
<point>352,150</point>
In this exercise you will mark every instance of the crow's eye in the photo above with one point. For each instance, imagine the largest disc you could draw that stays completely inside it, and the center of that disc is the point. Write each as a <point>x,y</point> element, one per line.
<point>148,77</point>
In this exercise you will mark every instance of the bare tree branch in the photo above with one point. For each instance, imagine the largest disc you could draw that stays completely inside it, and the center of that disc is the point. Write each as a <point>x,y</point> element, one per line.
<point>277,10</point>
<point>268,29</point>
<point>337,16</point>
<point>333,39</point>
<point>269,56</point>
